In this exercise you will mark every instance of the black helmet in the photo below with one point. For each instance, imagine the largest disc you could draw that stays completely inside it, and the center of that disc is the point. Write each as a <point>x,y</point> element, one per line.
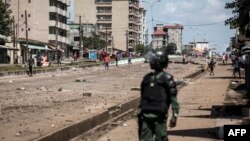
<point>158,59</point>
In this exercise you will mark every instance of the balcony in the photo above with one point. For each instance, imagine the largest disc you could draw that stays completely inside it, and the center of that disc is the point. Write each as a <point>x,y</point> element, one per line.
<point>134,21</point>
<point>52,23</point>
<point>134,5</point>
<point>108,12</point>
<point>53,9</point>
<point>103,29</point>
<point>133,37</point>
<point>103,4</point>
<point>63,1</point>
<point>134,13</point>
<point>133,29</point>
<point>52,37</point>
<point>104,20</point>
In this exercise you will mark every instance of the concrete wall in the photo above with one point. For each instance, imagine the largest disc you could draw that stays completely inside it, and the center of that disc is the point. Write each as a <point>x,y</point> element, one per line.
<point>86,9</point>
<point>120,20</point>
<point>38,20</point>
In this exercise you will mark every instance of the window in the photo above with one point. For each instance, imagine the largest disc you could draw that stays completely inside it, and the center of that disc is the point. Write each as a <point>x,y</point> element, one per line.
<point>29,1</point>
<point>76,39</point>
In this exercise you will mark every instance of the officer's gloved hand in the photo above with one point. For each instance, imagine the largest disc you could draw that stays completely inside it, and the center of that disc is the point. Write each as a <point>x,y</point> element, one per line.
<point>172,122</point>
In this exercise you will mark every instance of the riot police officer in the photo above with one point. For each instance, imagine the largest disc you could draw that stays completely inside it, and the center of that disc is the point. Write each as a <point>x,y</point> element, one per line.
<point>158,92</point>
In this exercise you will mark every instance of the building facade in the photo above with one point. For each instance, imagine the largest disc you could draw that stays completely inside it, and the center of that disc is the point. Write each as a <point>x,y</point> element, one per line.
<point>175,35</point>
<point>142,26</point>
<point>159,37</point>
<point>117,21</point>
<point>46,20</point>
<point>200,48</point>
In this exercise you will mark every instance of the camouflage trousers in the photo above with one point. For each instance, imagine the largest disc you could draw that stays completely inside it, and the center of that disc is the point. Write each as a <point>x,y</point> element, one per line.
<point>153,128</point>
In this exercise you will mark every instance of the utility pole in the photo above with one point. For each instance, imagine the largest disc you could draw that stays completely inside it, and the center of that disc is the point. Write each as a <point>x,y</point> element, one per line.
<point>57,18</point>
<point>127,41</point>
<point>80,36</point>
<point>26,29</point>
<point>106,38</point>
<point>18,17</point>
<point>14,39</point>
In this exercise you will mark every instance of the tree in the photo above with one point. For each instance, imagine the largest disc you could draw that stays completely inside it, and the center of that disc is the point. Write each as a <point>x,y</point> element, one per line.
<point>171,48</point>
<point>93,43</point>
<point>140,49</point>
<point>5,19</point>
<point>241,18</point>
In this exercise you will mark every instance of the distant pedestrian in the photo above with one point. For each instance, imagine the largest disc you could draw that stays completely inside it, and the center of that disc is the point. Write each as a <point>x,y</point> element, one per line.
<point>106,61</point>
<point>116,59</point>
<point>30,64</point>
<point>223,58</point>
<point>59,57</point>
<point>211,66</point>
<point>103,54</point>
<point>226,58</point>
<point>75,56</point>
<point>129,59</point>
<point>236,66</point>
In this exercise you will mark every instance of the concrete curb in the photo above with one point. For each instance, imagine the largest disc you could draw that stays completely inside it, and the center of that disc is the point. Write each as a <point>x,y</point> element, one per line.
<point>76,129</point>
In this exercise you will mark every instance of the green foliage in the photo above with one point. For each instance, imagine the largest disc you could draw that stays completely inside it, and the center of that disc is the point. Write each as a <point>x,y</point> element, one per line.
<point>140,49</point>
<point>241,18</point>
<point>93,43</point>
<point>171,48</point>
<point>5,19</point>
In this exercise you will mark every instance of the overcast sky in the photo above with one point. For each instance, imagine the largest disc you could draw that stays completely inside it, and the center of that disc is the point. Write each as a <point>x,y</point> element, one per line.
<point>195,12</point>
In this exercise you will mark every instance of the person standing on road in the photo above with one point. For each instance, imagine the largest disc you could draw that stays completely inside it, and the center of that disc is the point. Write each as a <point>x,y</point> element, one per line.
<point>116,59</point>
<point>106,61</point>
<point>236,66</point>
<point>158,92</point>
<point>129,59</point>
<point>211,66</point>
<point>30,63</point>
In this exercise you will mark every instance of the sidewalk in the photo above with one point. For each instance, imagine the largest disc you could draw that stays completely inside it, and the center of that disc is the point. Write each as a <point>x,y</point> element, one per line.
<point>196,100</point>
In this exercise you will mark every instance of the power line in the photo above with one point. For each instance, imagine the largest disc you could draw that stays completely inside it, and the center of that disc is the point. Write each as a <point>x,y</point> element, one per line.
<point>206,24</point>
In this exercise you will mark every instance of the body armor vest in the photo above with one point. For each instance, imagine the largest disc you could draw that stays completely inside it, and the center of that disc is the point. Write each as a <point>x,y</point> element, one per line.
<point>155,95</point>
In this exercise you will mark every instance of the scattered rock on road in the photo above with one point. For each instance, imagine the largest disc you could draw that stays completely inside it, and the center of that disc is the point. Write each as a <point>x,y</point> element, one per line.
<point>80,80</point>
<point>135,89</point>
<point>87,94</point>
<point>60,89</point>
<point>21,88</point>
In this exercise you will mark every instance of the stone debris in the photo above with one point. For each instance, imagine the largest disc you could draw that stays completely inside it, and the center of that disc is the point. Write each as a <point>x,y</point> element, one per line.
<point>21,88</point>
<point>60,89</point>
<point>42,88</point>
<point>135,89</point>
<point>87,94</point>
<point>53,125</point>
<point>10,81</point>
<point>80,80</point>
<point>124,125</point>
<point>18,133</point>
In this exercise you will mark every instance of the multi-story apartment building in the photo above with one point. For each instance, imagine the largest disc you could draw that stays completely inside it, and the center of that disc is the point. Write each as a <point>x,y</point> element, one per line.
<point>46,20</point>
<point>88,30</point>
<point>116,20</point>
<point>174,35</point>
<point>159,37</point>
<point>142,26</point>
